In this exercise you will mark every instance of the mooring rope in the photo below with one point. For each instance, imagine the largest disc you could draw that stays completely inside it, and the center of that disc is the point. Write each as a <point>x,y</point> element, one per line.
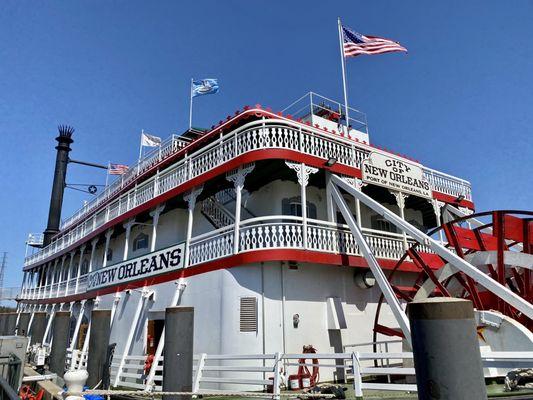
<point>145,393</point>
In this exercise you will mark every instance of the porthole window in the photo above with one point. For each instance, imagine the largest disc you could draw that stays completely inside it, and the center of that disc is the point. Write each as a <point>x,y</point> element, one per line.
<point>140,242</point>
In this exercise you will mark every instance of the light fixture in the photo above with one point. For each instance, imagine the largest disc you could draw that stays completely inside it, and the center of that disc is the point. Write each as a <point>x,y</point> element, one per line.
<point>460,198</point>
<point>331,162</point>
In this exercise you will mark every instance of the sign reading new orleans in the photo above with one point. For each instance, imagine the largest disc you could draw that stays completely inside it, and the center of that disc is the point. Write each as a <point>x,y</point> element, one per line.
<point>395,174</point>
<point>151,264</point>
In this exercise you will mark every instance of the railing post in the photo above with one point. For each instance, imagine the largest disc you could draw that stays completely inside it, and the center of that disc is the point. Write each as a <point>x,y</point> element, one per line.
<point>277,377</point>
<point>357,381</point>
<point>198,373</point>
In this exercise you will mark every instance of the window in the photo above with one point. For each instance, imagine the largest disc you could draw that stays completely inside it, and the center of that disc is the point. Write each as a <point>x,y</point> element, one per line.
<point>381,224</point>
<point>293,206</point>
<point>140,242</point>
<point>248,314</point>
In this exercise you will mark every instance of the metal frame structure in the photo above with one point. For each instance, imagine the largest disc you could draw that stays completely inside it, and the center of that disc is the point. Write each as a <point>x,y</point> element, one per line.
<point>473,275</point>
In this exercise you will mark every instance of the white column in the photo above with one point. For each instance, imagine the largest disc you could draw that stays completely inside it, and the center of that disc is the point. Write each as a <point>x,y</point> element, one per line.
<point>190,198</point>
<point>108,235</point>
<point>303,171</point>
<point>436,204</point>
<point>331,208</point>
<point>155,221</point>
<point>400,201</point>
<point>128,225</point>
<point>78,324</point>
<point>69,272</point>
<point>82,250</point>
<point>49,324</point>
<point>60,274</point>
<point>94,242</point>
<point>53,268</point>
<point>116,300</point>
<point>237,177</point>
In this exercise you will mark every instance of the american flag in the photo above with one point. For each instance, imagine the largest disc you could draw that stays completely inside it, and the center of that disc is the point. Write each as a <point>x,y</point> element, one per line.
<point>356,44</point>
<point>117,169</point>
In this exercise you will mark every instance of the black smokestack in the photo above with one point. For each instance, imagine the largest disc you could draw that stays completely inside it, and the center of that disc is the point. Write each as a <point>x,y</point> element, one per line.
<point>56,200</point>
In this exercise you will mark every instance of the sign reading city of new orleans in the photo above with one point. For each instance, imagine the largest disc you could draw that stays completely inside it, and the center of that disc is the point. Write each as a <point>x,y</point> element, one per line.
<point>395,174</point>
<point>150,264</point>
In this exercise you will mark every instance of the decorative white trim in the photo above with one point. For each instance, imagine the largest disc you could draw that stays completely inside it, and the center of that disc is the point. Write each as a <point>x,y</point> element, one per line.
<point>302,171</point>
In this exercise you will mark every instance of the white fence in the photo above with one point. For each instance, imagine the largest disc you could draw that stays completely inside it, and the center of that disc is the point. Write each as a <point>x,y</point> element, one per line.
<point>259,372</point>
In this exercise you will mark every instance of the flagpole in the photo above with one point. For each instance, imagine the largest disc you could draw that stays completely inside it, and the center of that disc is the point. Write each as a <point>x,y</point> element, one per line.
<point>107,173</point>
<point>141,146</point>
<point>190,108</point>
<point>343,64</point>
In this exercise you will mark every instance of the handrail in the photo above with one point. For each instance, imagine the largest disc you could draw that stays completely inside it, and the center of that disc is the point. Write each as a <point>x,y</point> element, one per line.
<point>147,190</point>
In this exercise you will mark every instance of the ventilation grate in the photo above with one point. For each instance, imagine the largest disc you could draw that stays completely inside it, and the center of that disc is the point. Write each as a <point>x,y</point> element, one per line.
<point>248,317</point>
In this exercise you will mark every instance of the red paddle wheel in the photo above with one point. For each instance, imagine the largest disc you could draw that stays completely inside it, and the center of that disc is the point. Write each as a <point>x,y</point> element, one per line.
<point>498,243</point>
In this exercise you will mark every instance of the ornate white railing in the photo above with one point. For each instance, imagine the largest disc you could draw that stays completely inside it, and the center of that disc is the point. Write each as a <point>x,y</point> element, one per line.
<point>253,136</point>
<point>262,233</point>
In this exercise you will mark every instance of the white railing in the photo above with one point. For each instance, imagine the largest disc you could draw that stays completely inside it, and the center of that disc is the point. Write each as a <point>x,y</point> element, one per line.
<point>264,233</point>
<point>256,135</point>
<point>217,213</point>
<point>256,372</point>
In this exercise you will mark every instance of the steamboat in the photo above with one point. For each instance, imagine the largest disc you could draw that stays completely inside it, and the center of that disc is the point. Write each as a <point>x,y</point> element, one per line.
<point>283,229</point>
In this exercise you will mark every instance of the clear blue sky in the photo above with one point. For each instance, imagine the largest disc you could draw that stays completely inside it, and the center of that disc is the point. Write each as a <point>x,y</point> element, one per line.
<point>461,101</point>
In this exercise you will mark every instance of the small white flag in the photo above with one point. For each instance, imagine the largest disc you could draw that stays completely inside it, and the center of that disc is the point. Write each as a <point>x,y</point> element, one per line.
<point>150,140</point>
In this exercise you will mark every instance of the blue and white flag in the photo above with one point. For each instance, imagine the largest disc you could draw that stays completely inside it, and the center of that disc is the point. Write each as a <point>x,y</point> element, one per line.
<point>204,86</point>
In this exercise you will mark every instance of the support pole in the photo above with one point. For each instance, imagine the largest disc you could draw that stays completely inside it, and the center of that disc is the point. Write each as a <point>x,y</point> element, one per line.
<point>60,334</point>
<point>190,198</point>
<point>378,273</point>
<point>343,65</point>
<point>99,342</point>
<point>49,324</point>
<point>177,369</point>
<point>446,349</point>
<point>78,324</point>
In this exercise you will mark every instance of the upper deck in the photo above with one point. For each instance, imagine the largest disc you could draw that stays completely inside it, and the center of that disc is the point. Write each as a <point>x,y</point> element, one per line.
<point>311,135</point>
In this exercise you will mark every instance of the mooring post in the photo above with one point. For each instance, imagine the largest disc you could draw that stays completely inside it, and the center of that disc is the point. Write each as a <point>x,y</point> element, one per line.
<point>98,342</point>
<point>446,350</point>
<point>24,321</point>
<point>38,327</point>
<point>178,353</point>
<point>60,332</point>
